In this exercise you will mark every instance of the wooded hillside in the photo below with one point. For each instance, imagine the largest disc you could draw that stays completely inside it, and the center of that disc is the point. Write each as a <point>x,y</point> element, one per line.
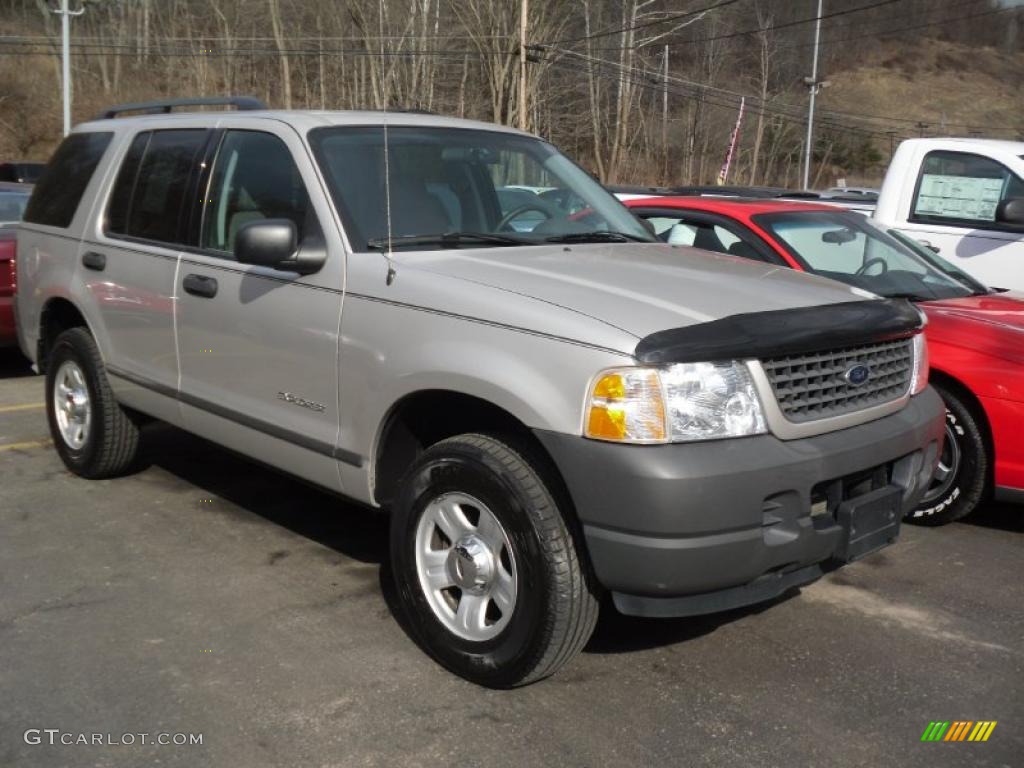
<point>639,91</point>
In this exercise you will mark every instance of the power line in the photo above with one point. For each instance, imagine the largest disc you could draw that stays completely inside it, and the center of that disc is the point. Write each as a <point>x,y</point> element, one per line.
<point>787,24</point>
<point>711,99</point>
<point>923,25</point>
<point>730,99</point>
<point>664,20</point>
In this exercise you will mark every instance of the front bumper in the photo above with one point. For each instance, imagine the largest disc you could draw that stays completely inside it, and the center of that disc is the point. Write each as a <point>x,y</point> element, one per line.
<point>697,527</point>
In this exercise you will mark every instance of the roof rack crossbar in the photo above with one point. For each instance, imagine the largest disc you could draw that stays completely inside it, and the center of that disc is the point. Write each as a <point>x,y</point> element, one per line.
<point>164,106</point>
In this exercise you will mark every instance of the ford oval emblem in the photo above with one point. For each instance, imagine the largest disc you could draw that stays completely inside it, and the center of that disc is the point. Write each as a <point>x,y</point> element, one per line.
<point>857,374</point>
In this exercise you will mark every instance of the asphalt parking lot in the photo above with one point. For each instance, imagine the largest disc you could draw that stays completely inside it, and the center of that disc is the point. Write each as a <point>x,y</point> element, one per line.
<point>207,595</point>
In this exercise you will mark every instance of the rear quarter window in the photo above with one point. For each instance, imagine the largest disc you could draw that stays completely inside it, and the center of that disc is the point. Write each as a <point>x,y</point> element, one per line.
<point>60,188</point>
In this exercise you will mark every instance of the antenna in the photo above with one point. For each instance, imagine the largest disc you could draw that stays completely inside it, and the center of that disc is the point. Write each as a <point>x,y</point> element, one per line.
<point>387,160</point>
<point>387,201</point>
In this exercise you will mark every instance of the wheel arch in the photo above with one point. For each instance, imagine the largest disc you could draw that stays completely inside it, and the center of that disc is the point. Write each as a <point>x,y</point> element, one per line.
<point>58,314</point>
<point>421,418</point>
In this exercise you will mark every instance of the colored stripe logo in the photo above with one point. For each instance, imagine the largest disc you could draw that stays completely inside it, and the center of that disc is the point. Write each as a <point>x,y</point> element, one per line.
<point>958,730</point>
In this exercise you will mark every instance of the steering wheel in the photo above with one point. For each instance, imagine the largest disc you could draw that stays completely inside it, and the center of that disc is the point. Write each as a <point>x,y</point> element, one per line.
<point>518,211</point>
<point>870,263</point>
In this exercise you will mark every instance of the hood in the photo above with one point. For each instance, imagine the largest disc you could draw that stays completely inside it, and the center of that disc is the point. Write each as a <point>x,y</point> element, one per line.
<point>637,288</point>
<point>991,324</point>
<point>1004,309</point>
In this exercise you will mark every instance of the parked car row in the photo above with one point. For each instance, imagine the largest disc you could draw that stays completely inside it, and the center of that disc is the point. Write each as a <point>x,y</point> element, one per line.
<point>452,322</point>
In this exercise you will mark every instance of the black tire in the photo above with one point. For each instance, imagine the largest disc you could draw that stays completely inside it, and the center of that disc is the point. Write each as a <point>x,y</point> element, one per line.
<point>111,443</point>
<point>959,490</point>
<point>556,606</point>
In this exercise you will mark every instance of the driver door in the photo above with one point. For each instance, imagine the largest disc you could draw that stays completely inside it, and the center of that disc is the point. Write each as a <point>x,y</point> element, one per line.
<point>258,346</point>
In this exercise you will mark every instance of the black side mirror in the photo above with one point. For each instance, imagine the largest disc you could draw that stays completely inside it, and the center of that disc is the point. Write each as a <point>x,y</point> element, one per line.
<point>274,243</point>
<point>1011,211</point>
<point>838,236</point>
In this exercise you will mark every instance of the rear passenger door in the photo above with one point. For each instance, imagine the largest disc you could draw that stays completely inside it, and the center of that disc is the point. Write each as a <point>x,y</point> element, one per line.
<point>259,346</point>
<point>131,261</point>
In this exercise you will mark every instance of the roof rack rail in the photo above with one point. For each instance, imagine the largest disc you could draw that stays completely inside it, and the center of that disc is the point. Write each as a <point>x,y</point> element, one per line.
<point>164,106</point>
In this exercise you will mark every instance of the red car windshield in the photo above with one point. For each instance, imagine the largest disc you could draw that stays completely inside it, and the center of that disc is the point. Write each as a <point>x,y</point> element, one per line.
<point>849,248</point>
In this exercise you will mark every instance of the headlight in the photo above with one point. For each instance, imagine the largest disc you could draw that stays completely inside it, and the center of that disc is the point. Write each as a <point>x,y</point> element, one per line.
<point>919,377</point>
<point>683,402</point>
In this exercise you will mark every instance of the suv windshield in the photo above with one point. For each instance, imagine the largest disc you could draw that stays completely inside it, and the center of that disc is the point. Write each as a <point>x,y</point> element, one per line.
<point>848,247</point>
<point>453,187</point>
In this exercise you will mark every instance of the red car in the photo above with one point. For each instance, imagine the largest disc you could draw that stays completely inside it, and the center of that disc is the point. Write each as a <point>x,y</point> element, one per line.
<point>975,334</point>
<point>8,241</point>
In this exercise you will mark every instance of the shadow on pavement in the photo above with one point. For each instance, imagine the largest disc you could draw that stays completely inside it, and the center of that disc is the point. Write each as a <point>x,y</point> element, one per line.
<point>616,633</point>
<point>344,526</point>
<point>1002,517</point>
<point>362,534</point>
<point>13,365</point>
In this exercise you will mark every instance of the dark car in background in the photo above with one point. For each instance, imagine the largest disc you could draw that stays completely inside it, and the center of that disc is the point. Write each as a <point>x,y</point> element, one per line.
<point>21,172</point>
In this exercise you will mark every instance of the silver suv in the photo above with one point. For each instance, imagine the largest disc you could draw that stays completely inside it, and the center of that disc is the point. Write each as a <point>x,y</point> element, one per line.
<point>453,322</point>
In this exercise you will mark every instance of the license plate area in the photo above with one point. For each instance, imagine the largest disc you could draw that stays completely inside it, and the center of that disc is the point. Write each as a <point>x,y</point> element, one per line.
<point>869,522</point>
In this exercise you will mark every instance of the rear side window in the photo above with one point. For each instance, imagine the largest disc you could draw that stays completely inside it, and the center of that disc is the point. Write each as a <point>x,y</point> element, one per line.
<point>150,199</point>
<point>60,188</point>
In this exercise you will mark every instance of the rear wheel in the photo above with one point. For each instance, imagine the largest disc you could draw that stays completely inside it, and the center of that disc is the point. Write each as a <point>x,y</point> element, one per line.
<point>486,567</point>
<point>93,434</point>
<point>960,480</point>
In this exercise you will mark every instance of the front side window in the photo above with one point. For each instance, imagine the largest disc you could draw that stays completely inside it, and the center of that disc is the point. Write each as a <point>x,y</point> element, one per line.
<point>476,188</point>
<point>60,188</point>
<point>150,199</point>
<point>254,178</point>
<point>963,189</point>
<point>849,248</point>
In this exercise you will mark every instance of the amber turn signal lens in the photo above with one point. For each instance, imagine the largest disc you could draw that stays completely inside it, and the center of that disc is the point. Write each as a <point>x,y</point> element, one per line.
<point>626,405</point>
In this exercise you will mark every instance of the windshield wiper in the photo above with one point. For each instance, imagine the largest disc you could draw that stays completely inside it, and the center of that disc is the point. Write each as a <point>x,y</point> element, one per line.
<point>446,240</point>
<point>599,236</point>
<point>908,295</point>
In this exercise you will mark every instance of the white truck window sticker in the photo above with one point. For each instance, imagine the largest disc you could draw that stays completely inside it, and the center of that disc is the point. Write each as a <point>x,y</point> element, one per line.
<point>958,197</point>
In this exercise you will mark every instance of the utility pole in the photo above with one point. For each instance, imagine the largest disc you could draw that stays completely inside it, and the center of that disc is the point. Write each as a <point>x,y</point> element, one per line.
<point>65,32</point>
<point>813,86</point>
<point>664,113</point>
<point>523,112</point>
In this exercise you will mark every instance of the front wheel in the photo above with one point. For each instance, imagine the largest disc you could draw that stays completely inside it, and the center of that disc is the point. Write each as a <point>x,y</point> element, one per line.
<point>960,479</point>
<point>486,567</point>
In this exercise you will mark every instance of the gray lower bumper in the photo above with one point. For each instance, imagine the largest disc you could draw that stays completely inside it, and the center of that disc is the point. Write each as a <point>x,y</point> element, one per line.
<point>688,520</point>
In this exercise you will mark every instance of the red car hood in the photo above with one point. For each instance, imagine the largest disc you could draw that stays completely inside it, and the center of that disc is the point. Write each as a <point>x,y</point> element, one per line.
<point>992,324</point>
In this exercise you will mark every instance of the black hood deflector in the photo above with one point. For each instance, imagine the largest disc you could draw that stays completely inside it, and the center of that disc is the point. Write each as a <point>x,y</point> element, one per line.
<point>783,332</point>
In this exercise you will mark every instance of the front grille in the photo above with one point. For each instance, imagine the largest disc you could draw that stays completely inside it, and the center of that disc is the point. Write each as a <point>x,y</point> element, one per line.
<point>812,386</point>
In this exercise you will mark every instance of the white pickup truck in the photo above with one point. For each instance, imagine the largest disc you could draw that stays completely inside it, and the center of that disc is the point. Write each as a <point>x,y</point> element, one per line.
<point>964,198</point>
